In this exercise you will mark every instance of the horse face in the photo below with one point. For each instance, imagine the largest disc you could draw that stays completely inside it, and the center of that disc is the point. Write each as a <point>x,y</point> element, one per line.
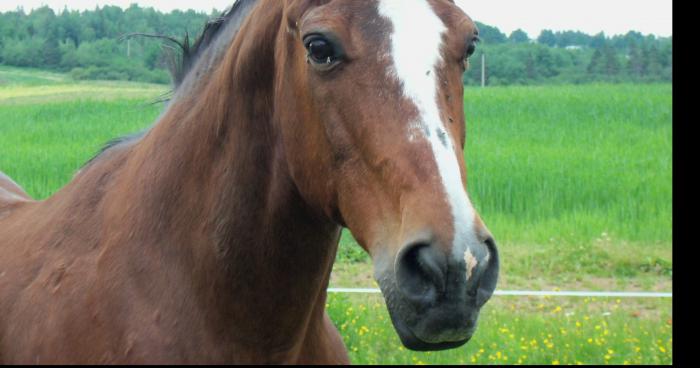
<point>373,130</point>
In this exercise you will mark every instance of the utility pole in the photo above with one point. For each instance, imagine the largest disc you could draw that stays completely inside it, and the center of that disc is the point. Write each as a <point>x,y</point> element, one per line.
<point>483,70</point>
<point>128,48</point>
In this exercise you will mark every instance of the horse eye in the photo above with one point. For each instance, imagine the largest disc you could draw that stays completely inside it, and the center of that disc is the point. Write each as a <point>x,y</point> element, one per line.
<point>321,51</point>
<point>471,48</point>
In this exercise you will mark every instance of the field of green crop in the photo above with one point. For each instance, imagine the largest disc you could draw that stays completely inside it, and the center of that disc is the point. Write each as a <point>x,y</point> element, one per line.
<point>575,183</point>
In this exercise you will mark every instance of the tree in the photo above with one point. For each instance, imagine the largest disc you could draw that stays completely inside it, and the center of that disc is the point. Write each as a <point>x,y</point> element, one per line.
<point>594,66</point>
<point>546,65</point>
<point>87,44</point>
<point>51,53</point>
<point>42,22</point>
<point>612,64</point>
<point>634,60</point>
<point>23,52</point>
<point>634,37</point>
<point>598,41</point>
<point>572,38</point>
<point>69,23</point>
<point>490,35</point>
<point>547,38</point>
<point>653,63</point>
<point>518,36</point>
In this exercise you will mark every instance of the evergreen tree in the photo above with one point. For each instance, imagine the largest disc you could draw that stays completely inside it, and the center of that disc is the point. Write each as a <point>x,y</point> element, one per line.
<point>612,64</point>
<point>634,60</point>
<point>654,67</point>
<point>598,41</point>
<point>595,65</point>
<point>51,53</point>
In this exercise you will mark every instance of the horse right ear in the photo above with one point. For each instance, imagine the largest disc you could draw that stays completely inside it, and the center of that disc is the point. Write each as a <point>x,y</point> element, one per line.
<point>296,9</point>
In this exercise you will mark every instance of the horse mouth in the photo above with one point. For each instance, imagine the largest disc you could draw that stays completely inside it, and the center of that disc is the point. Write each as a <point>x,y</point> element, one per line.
<point>413,342</point>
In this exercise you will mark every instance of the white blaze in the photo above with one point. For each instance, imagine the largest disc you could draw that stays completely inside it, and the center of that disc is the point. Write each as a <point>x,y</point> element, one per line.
<point>416,44</point>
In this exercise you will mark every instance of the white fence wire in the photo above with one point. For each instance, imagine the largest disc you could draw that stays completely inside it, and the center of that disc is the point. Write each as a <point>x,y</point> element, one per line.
<point>589,294</point>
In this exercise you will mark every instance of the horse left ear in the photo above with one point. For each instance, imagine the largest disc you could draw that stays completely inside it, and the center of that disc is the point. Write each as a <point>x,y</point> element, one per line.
<point>295,10</point>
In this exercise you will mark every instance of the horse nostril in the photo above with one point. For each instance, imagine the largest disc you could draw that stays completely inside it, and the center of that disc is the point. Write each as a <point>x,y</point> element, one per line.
<point>420,273</point>
<point>489,277</point>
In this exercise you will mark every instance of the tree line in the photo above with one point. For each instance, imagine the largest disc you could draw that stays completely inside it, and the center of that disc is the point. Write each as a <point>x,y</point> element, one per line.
<point>570,57</point>
<point>90,45</point>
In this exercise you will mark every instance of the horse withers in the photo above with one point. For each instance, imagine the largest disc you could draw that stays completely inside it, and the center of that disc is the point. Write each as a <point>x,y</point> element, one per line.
<point>210,237</point>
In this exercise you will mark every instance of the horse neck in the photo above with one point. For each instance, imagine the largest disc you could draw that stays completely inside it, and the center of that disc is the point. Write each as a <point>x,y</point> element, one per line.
<point>209,186</point>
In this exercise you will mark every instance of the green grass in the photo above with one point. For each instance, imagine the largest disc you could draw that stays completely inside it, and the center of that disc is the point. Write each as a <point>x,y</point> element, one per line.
<point>48,131</point>
<point>571,163</point>
<point>10,76</point>
<point>520,331</point>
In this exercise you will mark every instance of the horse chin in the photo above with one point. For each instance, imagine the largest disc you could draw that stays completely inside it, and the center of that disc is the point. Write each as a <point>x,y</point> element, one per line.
<point>427,330</point>
<point>413,342</point>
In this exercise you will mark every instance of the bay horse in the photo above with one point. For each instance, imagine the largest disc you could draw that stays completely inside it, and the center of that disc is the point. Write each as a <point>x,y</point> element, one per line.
<point>210,238</point>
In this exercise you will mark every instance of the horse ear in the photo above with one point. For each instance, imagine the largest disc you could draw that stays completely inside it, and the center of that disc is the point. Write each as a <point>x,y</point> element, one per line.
<point>296,9</point>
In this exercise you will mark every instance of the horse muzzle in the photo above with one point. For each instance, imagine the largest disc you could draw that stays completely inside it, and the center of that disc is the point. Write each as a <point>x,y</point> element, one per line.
<point>433,298</point>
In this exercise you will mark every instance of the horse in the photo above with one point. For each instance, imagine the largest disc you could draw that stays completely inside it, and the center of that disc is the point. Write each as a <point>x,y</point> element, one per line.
<point>210,237</point>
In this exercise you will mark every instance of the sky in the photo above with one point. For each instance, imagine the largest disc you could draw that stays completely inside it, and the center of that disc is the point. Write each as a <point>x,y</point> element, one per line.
<point>589,16</point>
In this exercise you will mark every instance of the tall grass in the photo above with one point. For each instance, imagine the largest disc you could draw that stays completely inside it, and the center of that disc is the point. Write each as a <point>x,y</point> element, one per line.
<point>572,162</point>
<point>43,145</point>
<point>571,179</point>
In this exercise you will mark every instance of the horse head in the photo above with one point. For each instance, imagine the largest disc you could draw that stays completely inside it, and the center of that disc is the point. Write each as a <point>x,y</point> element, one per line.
<point>373,130</point>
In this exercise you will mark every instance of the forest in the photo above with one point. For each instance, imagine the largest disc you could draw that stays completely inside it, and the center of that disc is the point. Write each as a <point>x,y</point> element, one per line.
<point>92,45</point>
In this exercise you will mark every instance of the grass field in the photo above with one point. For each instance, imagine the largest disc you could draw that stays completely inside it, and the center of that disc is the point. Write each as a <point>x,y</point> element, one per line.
<point>573,181</point>
<point>521,331</point>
